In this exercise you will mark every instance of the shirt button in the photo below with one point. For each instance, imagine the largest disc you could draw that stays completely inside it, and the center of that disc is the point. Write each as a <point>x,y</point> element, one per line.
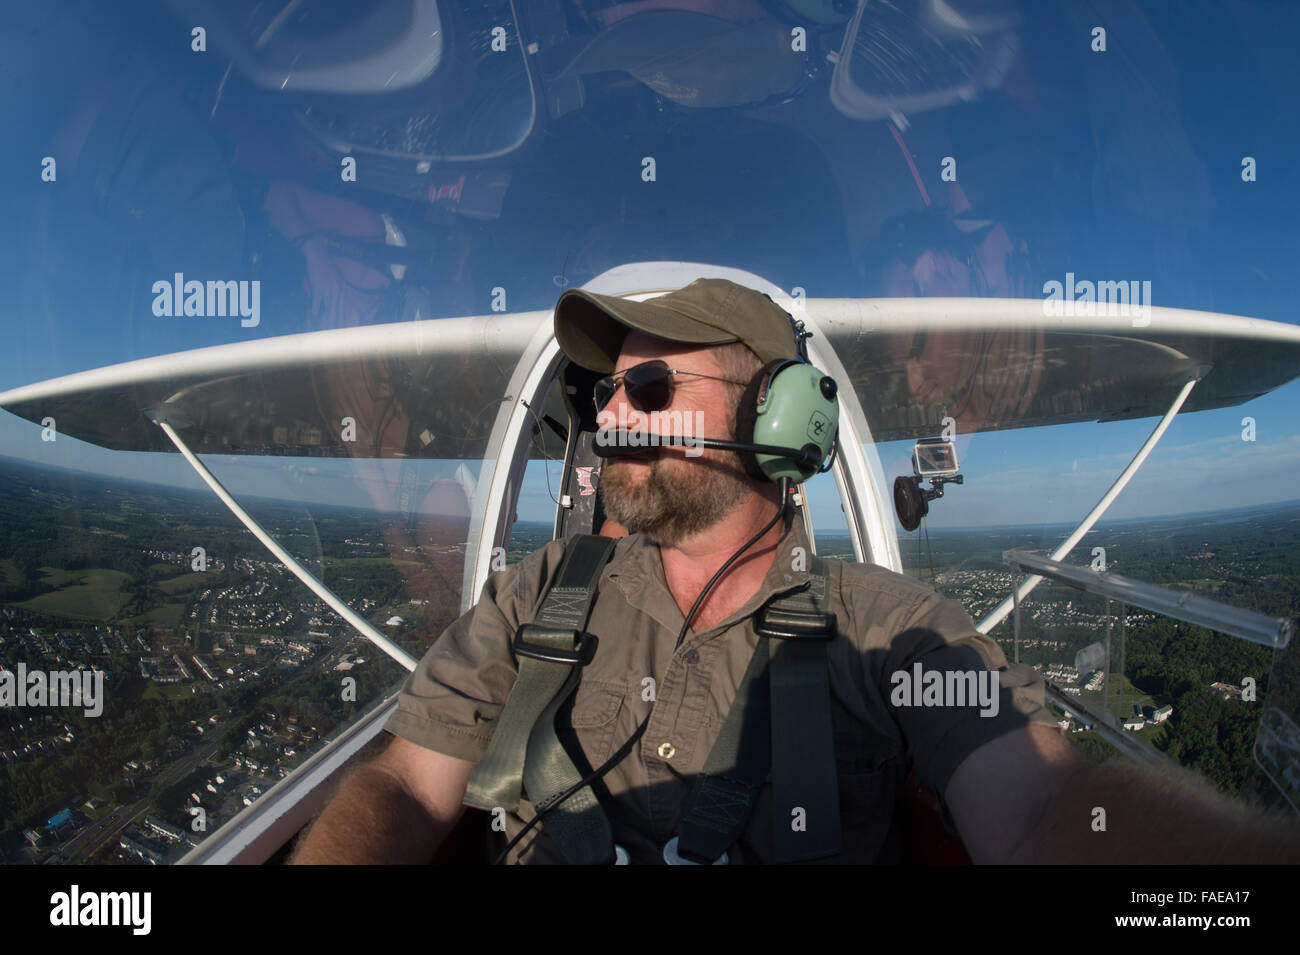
<point>692,656</point>
<point>667,750</point>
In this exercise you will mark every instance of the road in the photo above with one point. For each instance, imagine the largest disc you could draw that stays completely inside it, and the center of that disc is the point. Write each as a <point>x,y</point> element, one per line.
<point>91,839</point>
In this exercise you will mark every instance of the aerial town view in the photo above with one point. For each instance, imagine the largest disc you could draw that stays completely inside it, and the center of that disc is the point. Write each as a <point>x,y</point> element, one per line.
<point>222,673</point>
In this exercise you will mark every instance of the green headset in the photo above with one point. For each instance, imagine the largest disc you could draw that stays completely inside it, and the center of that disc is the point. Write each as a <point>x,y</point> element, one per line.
<point>793,406</point>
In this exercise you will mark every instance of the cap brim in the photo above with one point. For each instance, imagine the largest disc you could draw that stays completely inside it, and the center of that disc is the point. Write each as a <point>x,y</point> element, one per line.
<point>590,328</point>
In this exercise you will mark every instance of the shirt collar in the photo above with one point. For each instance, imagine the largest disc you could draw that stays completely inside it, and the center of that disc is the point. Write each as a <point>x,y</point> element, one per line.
<point>637,570</point>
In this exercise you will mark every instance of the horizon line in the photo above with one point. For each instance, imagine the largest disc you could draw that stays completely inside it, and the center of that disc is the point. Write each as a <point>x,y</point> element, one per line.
<point>831,532</point>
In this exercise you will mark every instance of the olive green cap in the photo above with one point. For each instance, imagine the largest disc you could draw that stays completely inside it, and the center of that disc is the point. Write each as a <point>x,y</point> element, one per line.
<point>590,328</point>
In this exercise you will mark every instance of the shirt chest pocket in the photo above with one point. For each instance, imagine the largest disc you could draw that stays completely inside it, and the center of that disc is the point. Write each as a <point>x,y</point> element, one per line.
<point>586,722</point>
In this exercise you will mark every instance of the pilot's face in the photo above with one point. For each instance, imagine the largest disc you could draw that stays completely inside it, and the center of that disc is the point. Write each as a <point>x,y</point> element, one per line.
<point>666,492</point>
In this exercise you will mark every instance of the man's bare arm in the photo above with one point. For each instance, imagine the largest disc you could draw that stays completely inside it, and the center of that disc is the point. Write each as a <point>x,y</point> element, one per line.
<point>1028,797</point>
<point>397,808</point>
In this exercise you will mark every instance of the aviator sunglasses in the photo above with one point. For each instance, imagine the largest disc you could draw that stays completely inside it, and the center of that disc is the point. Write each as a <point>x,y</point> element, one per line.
<point>649,385</point>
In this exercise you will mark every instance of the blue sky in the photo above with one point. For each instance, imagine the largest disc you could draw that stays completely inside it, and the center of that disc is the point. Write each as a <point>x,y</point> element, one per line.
<point>1124,165</point>
<point>1030,476</point>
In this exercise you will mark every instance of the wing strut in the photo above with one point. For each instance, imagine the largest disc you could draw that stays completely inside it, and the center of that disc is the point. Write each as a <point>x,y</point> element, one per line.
<point>1018,593</point>
<point>283,556</point>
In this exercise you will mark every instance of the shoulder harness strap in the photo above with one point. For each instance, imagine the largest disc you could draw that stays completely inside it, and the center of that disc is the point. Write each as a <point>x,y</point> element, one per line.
<point>781,718</point>
<point>525,755</point>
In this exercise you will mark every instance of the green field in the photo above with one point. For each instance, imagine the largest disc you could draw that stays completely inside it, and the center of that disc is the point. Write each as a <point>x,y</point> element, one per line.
<point>369,561</point>
<point>168,615</point>
<point>12,575</point>
<point>1131,695</point>
<point>185,583</point>
<point>94,594</point>
<point>1201,585</point>
<point>53,577</point>
<point>1154,735</point>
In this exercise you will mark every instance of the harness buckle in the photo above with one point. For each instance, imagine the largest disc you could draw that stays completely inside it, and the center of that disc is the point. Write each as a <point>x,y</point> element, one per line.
<point>772,621</point>
<point>579,656</point>
<point>673,856</point>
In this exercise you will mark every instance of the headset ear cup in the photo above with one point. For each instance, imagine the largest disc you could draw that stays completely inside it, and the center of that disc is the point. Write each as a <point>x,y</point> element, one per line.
<point>747,415</point>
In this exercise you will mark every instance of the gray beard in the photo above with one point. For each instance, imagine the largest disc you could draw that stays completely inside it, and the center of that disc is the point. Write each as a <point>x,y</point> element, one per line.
<point>677,498</point>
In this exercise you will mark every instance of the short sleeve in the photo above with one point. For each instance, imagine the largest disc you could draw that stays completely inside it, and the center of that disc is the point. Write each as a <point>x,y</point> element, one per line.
<point>939,655</point>
<point>451,701</point>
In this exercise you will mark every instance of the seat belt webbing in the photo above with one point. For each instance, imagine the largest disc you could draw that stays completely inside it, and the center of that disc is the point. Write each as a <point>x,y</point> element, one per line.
<point>780,719</point>
<point>805,788</point>
<point>525,754</point>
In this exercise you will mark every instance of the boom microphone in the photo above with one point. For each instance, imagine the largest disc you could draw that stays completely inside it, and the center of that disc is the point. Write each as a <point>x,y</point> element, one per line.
<point>616,444</point>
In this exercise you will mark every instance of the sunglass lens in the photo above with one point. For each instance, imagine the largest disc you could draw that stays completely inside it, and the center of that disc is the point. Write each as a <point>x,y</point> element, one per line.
<point>648,386</point>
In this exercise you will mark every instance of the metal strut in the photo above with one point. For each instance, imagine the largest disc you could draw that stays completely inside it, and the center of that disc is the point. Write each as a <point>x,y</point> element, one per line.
<point>1020,591</point>
<point>282,555</point>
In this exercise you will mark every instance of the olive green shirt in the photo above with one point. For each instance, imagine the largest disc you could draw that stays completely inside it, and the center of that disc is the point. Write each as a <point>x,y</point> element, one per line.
<point>886,622</point>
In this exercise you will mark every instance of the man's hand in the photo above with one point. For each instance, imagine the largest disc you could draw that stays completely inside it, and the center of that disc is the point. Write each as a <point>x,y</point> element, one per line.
<point>1028,797</point>
<point>1002,791</point>
<point>397,808</point>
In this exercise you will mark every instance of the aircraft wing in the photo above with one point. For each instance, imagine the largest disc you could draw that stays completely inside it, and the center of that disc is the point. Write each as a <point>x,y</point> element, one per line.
<point>995,364</point>
<point>289,395</point>
<point>991,364</point>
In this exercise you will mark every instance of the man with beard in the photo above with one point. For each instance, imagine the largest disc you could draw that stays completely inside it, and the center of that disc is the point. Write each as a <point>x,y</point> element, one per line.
<point>1001,772</point>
